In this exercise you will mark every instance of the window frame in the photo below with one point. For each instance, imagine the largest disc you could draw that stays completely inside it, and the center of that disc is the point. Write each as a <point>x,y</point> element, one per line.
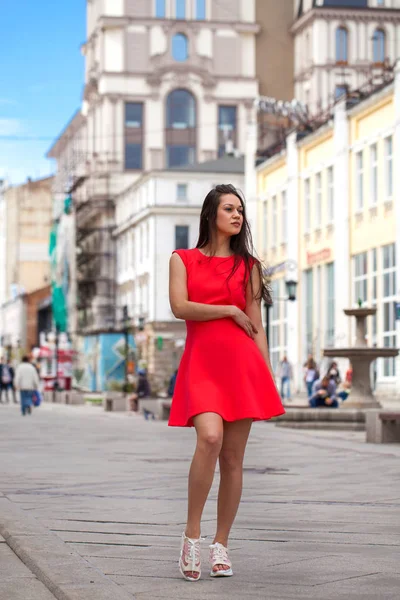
<point>330,304</point>
<point>360,277</point>
<point>359,176</point>
<point>307,205</point>
<point>265,226</point>
<point>331,194</point>
<point>284,214</point>
<point>133,135</point>
<point>181,8</point>
<point>179,197</point>
<point>379,46</point>
<point>389,335</point>
<point>388,162</point>
<point>187,231</point>
<point>160,9</point>
<point>200,7</point>
<point>222,127</point>
<point>318,200</point>
<point>180,135</point>
<point>274,221</point>
<point>341,45</point>
<point>179,35</point>
<point>373,165</point>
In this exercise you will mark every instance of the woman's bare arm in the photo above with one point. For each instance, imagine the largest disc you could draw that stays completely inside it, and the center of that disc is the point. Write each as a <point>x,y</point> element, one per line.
<point>182,308</point>
<point>253,311</point>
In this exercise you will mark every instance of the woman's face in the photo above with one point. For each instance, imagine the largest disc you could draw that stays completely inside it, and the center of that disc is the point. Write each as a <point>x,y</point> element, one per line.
<point>229,215</point>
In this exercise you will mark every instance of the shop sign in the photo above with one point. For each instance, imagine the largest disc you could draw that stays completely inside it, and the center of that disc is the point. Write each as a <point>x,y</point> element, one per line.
<point>317,257</point>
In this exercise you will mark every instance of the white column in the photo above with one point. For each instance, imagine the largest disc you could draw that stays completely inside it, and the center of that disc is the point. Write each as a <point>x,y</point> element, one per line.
<point>341,224</point>
<point>292,212</point>
<point>250,174</point>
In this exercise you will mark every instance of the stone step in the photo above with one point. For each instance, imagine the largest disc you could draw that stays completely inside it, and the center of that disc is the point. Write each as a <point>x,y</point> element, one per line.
<point>323,425</point>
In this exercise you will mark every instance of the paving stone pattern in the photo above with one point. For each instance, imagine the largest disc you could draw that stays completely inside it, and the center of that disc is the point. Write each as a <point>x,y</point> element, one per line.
<point>319,519</point>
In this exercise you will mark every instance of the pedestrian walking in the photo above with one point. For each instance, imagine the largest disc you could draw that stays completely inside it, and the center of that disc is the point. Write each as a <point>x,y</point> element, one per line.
<point>311,375</point>
<point>26,381</point>
<point>225,379</point>
<point>7,381</point>
<point>285,372</point>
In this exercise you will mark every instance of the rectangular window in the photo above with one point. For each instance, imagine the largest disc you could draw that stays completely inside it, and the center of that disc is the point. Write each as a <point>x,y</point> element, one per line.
<point>181,237</point>
<point>360,266</point>
<point>389,297</point>
<point>180,9</point>
<point>200,10</point>
<point>265,226</point>
<point>227,128</point>
<point>374,174</point>
<point>330,304</point>
<point>180,156</point>
<point>340,91</point>
<point>160,9</point>
<point>318,200</point>
<point>389,167</point>
<point>274,222</point>
<point>360,180</point>
<point>309,306</point>
<point>284,218</point>
<point>374,292</point>
<point>307,206</point>
<point>181,192</point>
<point>331,197</point>
<point>275,325</point>
<point>133,135</point>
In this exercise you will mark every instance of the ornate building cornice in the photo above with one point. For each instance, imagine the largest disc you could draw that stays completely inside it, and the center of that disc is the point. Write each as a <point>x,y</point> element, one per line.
<point>361,15</point>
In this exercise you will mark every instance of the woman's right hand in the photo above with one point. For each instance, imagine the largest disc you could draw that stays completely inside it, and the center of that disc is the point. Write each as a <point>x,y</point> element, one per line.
<point>244,322</point>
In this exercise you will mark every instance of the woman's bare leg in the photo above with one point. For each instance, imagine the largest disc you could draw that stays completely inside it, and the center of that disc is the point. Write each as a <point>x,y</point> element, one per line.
<point>210,430</point>
<point>231,458</point>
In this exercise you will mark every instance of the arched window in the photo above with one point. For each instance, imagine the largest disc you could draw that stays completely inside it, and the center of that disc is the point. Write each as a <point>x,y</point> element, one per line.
<point>181,128</point>
<point>379,46</point>
<point>180,47</point>
<point>342,44</point>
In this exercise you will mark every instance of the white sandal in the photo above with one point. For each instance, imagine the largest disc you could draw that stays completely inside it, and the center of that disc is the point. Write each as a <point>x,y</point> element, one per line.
<point>190,558</point>
<point>219,556</point>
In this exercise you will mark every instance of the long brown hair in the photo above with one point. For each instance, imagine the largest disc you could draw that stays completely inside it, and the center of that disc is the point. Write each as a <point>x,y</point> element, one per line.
<point>241,244</point>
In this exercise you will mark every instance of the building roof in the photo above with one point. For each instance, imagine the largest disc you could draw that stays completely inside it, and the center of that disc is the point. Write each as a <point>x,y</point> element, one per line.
<point>226,164</point>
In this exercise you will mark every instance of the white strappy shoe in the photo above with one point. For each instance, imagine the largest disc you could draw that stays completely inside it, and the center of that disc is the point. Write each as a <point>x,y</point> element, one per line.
<point>190,558</point>
<point>219,556</point>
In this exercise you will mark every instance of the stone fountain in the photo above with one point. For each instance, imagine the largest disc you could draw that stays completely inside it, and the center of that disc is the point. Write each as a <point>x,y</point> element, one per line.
<point>361,356</point>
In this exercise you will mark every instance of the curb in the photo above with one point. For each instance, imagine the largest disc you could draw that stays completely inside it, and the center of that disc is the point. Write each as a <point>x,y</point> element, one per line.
<point>65,574</point>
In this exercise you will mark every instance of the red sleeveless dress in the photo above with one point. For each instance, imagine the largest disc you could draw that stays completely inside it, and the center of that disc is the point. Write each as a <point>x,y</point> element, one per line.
<point>222,369</point>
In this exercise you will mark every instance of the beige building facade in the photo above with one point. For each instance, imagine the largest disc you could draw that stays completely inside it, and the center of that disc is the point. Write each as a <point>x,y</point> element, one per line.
<point>327,203</point>
<point>26,219</point>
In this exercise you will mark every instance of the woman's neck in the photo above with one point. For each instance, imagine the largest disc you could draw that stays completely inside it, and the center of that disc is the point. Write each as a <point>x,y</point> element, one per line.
<point>218,247</point>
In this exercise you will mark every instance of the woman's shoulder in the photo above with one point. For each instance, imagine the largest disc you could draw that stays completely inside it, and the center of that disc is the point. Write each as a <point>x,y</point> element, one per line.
<point>186,255</point>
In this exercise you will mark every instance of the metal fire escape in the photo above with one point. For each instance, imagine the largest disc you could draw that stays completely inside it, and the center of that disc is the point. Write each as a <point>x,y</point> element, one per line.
<point>95,254</point>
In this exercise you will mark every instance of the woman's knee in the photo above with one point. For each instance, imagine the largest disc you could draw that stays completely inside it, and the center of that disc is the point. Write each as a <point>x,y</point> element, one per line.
<point>210,441</point>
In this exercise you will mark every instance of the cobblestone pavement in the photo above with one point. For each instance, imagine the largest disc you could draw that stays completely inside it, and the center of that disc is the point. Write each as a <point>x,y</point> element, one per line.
<point>319,519</point>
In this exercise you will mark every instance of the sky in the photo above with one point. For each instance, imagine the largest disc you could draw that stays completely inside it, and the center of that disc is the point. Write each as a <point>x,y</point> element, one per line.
<point>41,80</point>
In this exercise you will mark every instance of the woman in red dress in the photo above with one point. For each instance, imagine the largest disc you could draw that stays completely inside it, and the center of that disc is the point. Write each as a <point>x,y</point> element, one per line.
<point>225,379</point>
